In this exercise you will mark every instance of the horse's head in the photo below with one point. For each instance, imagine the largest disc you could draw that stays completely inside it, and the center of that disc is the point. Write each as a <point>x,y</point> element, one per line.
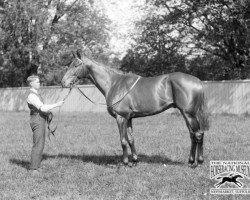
<point>77,70</point>
<point>238,176</point>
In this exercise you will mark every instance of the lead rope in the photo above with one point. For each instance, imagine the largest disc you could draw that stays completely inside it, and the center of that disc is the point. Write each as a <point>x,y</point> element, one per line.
<point>50,117</point>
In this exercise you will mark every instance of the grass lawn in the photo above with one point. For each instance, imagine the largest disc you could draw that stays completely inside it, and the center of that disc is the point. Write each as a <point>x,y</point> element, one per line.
<point>82,161</point>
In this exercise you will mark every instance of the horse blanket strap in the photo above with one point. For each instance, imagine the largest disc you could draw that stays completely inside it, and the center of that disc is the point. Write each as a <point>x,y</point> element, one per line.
<point>114,104</point>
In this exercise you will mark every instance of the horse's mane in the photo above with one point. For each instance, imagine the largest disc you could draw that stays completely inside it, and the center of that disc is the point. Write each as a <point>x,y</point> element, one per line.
<point>108,68</point>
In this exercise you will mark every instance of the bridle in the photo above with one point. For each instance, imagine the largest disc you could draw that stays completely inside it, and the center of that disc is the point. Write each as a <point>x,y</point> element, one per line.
<point>50,116</point>
<point>103,104</point>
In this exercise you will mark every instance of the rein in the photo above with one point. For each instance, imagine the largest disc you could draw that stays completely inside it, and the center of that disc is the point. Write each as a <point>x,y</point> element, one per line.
<point>103,104</point>
<point>50,117</point>
<point>114,104</point>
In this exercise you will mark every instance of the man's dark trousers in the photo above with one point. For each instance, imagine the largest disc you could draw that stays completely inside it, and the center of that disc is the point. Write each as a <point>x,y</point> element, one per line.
<point>37,124</point>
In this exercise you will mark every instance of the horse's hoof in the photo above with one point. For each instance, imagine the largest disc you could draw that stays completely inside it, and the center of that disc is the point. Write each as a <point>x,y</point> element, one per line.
<point>135,158</point>
<point>130,164</point>
<point>193,165</point>
<point>125,163</point>
<point>190,161</point>
<point>135,161</point>
<point>200,161</point>
<point>135,164</point>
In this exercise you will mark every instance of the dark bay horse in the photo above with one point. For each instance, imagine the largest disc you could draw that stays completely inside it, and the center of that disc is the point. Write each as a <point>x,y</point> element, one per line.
<point>129,96</point>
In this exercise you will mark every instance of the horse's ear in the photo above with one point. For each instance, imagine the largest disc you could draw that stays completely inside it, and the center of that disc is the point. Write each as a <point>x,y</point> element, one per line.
<point>74,55</point>
<point>78,55</point>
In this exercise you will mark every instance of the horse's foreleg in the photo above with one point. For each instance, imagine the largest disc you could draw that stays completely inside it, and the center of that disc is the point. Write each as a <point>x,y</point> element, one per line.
<point>239,184</point>
<point>131,141</point>
<point>122,126</point>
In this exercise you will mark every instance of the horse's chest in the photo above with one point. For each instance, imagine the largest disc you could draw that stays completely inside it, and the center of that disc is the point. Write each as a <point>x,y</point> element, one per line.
<point>119,105</point>
<point>111,111</point>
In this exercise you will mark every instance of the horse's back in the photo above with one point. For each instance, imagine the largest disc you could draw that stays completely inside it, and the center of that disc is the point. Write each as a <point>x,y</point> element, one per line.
<point>176,77</point>
<point>152,95</point>
<point>179,76</point>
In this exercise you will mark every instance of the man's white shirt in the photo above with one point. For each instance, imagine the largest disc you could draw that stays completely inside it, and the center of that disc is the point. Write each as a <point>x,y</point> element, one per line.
<point>34,99</point>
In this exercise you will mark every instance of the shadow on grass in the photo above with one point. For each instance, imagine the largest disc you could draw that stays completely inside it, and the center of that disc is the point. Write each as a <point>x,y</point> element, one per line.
<point>114,159</point>
<point>101,159</point>
<point>23,163</point>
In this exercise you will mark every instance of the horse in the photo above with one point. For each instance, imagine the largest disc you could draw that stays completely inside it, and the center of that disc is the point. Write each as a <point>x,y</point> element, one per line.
<point>130,96</point>
<point>230,179</point>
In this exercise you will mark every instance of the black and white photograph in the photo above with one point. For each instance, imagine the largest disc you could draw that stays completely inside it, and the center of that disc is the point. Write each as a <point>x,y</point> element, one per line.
<point>124,99</point>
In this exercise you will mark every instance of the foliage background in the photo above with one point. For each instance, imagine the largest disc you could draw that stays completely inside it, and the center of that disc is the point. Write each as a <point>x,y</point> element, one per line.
<point>208,39</point>
<point>41,34</point>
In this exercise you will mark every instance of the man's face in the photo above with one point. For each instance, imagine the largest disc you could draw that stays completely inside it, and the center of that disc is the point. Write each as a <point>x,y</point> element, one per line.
<point>35,84</point>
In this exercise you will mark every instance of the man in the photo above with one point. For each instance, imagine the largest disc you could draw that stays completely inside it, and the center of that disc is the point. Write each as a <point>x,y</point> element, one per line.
<point>38,114</point>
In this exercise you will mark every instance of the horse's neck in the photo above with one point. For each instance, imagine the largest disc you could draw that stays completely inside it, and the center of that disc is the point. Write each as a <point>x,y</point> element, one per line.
<point>101,78</point>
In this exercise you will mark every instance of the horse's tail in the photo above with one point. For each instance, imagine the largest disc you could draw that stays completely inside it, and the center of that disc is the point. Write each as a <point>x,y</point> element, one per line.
<point>202,114</point>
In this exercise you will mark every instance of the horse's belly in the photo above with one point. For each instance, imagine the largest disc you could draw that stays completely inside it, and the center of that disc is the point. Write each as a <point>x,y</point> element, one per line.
<point>149,107</point>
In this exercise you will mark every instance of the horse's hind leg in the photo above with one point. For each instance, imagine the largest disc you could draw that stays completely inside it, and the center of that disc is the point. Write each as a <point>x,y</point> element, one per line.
<point>131,141</point>
<point>122,126</point>
<point>196,139</point>
<point>219,184</point>
<point>199,137</point>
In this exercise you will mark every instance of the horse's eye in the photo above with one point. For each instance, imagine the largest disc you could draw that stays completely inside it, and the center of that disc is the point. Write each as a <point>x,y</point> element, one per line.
<point>77,65</point>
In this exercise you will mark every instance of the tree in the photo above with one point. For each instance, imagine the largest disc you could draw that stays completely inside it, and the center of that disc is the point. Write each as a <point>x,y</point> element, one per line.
<point>151,66</point>
<point>38,33</point>
<point>155,51</point>
<point>197,28</point>
<point>216,27</point>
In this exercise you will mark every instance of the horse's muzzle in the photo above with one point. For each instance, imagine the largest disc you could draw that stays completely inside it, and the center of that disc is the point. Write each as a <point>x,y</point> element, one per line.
<point>64,84</point>
<point>69,82</point>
